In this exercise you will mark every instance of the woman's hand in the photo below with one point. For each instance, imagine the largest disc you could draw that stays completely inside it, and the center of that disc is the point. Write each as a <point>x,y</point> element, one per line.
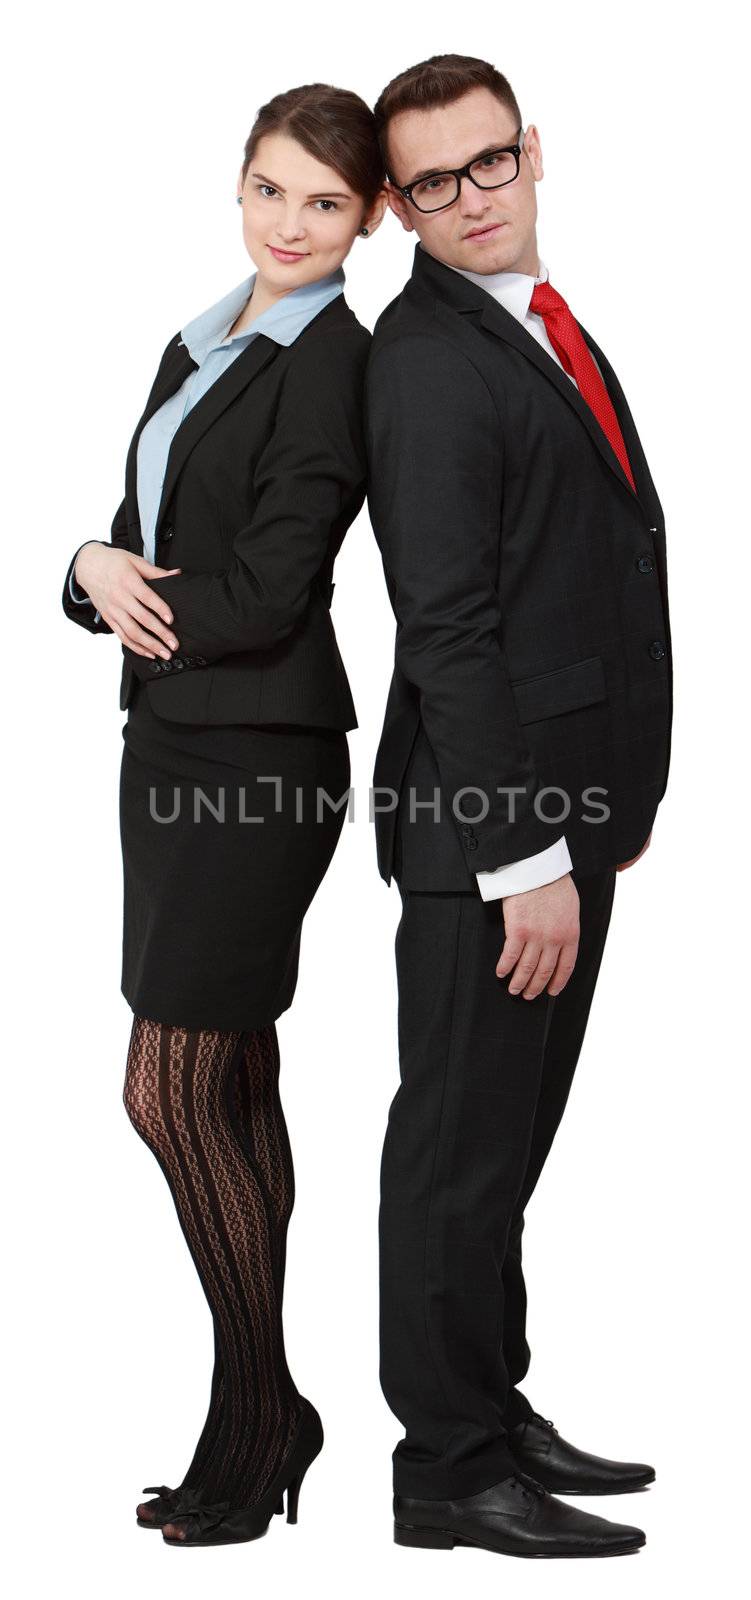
<point>113,580</point>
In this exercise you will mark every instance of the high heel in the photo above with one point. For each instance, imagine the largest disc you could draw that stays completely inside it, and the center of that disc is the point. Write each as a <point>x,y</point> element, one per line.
<point>222,1524</point>
<point>293,1495</point>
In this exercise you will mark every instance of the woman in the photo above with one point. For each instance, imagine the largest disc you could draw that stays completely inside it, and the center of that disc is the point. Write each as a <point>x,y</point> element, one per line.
<point>246,469</point>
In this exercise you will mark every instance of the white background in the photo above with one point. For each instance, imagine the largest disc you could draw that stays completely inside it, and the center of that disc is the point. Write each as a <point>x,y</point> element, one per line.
<point>124,130</point>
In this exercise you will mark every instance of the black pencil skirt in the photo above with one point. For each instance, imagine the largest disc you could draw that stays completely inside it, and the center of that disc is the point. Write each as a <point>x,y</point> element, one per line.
<point>226,834</point>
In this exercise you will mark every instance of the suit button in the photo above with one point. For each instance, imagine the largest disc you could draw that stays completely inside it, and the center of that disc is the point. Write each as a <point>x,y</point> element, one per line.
<point>657,650</point>
<point>472,844</point>
<point>644,564</point>
<point>167,532</point>
<point>200,661</point>
<point>156,666</point>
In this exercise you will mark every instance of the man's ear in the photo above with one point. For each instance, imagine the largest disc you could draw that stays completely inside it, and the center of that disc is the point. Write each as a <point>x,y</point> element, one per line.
<point>399,206</point>
<point>533,151</point>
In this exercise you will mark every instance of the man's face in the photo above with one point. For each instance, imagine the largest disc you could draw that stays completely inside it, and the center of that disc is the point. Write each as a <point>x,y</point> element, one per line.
<point>486,230</point>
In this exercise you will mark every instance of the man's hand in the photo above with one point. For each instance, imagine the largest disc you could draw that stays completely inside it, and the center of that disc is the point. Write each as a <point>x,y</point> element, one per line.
<point>542,938</point>
<point>113,580</point>
<point>625,864</point>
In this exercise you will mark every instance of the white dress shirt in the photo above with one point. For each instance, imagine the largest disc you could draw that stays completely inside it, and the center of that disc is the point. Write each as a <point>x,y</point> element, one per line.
<point>513,290</point>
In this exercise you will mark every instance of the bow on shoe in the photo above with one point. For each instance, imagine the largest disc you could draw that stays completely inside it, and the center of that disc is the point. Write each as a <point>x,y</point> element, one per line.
<point>206,1516</point>
<point>162,1489</point>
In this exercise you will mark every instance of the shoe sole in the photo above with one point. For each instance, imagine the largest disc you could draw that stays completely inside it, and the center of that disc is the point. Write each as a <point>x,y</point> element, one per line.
<point>211,1544</point>
<point>622,1488</point>
<point>445,1539</point>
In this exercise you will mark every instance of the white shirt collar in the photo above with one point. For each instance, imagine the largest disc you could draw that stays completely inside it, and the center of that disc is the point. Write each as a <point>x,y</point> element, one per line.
<point>512,289</point>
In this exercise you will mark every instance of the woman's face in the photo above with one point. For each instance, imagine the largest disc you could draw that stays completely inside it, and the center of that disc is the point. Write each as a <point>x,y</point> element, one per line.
<point>300,218</point>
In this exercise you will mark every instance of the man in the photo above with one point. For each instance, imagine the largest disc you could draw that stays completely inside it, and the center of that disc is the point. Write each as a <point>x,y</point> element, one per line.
<point>524,753</point>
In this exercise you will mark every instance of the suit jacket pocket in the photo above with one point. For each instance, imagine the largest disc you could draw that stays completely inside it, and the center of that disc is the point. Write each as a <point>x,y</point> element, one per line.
<point>549,694</point>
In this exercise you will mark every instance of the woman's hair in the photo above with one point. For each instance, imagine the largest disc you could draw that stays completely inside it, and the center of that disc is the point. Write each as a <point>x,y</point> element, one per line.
<point>439,81</point>
<point>334,125</point>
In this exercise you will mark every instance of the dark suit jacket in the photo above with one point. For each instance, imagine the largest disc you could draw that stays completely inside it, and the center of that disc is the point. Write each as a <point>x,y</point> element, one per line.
<point>529,585</point>
<point>264,477</point>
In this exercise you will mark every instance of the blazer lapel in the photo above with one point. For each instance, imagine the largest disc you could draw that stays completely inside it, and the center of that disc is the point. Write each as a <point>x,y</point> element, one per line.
<point>499,321</point>
<point>176,366</point>
<point>433,277</point>
<point>644,483</point>
<point>221,393</point>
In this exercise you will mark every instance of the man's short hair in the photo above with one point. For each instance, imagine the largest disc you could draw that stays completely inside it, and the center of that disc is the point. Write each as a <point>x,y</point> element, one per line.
<point>439,81</point>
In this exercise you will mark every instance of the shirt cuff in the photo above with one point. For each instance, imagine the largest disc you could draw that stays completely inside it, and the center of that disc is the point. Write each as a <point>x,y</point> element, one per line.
<point>530,873</point>
<point>81,598</point>
<point>77,593</point>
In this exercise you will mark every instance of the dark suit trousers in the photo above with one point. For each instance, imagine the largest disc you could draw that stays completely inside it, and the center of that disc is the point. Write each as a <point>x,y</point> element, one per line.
<point>485,1076</point>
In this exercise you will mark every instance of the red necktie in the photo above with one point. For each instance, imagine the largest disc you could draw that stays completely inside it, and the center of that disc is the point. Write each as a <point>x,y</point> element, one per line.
<point>571,347</point>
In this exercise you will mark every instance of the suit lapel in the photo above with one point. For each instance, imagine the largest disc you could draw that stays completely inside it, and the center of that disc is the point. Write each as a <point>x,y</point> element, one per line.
<point>435,279</point>
<point>646,490</point>
<point>225,389</point>
<point>172,372</point>
<point>497,320</point>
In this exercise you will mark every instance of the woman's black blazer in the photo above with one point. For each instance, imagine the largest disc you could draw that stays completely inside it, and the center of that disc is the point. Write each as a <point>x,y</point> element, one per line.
<point>263,479</point>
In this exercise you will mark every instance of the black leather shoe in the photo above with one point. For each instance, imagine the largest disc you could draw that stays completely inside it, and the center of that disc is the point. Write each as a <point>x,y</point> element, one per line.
<point>516,1517</point>
<point>539,1450</point>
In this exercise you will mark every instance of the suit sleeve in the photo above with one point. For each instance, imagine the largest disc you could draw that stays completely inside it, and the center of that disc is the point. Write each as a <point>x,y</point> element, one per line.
<point>310,473</point>
<point>435,450</point>
<point>85,614</point>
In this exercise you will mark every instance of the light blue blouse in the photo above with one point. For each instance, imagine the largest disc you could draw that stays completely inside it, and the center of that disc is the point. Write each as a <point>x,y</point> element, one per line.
<point>205,339</point>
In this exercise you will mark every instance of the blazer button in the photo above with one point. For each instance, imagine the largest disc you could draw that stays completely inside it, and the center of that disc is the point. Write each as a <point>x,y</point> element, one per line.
<point>167,532</point>
<point>657,650</point>
<point>200,661</point>
<point>644,564</point>
<point>472,844</point>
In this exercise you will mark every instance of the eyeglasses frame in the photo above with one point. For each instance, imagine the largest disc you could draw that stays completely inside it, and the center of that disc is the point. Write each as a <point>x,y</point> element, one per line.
<point>462,172</point>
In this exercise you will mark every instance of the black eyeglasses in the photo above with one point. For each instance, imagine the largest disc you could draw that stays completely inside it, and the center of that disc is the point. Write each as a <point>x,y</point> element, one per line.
<point>440,189</point>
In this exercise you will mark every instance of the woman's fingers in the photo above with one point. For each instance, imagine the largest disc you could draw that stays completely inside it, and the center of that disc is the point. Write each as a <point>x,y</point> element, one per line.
<point>132,634</point>
<point>148,570</point>
<point>114,581</point>
<point>141,568</point>
<point>145,612</point>
<point>117,627</point>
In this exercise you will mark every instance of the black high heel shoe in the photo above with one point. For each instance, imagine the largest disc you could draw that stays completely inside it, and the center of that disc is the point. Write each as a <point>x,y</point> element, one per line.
<point>222,1524</point>
<point>168,1503</point>
<point>164,1508</point>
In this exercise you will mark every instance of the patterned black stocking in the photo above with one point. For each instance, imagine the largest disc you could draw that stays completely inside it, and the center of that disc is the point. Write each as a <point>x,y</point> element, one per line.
<point>207,1104</point>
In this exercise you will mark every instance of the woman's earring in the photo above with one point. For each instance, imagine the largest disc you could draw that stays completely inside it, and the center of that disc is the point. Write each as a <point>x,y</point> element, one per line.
<point>239,199</point>
<point>364,233</point>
